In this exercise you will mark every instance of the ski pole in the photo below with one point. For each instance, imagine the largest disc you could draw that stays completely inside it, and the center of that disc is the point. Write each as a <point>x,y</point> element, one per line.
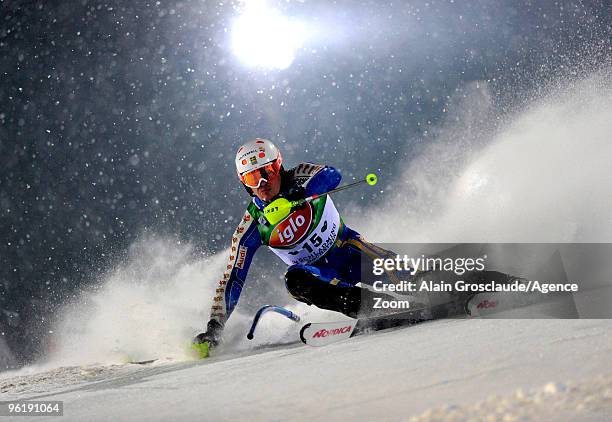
<point>268,308</point>
<point>370,179</point>
<point>280,208</point>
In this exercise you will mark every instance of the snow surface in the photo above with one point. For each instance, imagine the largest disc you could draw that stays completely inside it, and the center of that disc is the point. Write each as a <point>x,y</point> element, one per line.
<point>441,369</point>
<point>457,190</point>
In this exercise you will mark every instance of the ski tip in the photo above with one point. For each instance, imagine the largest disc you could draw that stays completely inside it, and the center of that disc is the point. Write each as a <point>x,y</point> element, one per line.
<point>324,333</point>
<point>304,328</point>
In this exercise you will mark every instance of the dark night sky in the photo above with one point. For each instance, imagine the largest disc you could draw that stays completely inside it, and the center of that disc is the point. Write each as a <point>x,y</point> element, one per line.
<point>118,118</point>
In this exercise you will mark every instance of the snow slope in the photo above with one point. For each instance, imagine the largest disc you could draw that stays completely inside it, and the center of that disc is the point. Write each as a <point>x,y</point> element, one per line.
<point>540,368</point>
<point>552,159</point>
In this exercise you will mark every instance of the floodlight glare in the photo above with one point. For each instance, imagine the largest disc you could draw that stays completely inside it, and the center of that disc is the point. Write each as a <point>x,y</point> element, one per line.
<point>263,37</point>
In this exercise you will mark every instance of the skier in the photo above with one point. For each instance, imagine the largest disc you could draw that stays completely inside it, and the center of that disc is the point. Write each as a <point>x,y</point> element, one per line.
<point>324,255</point>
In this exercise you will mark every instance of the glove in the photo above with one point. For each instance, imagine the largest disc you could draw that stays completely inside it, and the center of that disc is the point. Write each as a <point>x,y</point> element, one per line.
<point>208,340</point>
<point>295,193</point>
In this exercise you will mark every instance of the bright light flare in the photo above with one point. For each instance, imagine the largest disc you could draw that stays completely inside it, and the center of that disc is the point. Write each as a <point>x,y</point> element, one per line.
<point>263,37</point>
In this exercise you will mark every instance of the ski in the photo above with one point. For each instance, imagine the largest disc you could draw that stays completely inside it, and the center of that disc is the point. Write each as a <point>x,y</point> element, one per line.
<point>324,333</point>
<point>143,362</point>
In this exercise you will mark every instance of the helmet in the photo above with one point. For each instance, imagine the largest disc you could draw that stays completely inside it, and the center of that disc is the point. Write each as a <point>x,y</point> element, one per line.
<point>256,161</point>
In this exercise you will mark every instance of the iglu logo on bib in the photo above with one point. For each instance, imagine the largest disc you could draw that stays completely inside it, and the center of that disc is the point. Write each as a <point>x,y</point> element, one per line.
<point>292,229</point>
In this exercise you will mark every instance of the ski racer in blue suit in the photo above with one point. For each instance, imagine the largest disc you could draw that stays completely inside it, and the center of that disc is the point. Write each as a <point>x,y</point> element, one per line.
<point>324,255</point>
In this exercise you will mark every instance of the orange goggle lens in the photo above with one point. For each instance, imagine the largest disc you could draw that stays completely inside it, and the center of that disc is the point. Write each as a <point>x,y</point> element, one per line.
<point>268,172</point>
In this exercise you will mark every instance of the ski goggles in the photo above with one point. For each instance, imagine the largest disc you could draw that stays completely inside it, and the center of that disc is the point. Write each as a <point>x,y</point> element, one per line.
<point>254,178</point>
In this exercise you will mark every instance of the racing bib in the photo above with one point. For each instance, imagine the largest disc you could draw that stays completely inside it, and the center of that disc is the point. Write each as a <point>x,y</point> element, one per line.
<point>293,240</point>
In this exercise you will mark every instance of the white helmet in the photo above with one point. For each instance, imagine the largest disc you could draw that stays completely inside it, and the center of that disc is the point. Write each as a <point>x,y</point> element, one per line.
<point>258,160</point>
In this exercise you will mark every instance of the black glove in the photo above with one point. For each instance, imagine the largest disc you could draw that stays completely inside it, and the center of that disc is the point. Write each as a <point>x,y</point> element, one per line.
<point>212,334</point>
<point>296,192</point>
